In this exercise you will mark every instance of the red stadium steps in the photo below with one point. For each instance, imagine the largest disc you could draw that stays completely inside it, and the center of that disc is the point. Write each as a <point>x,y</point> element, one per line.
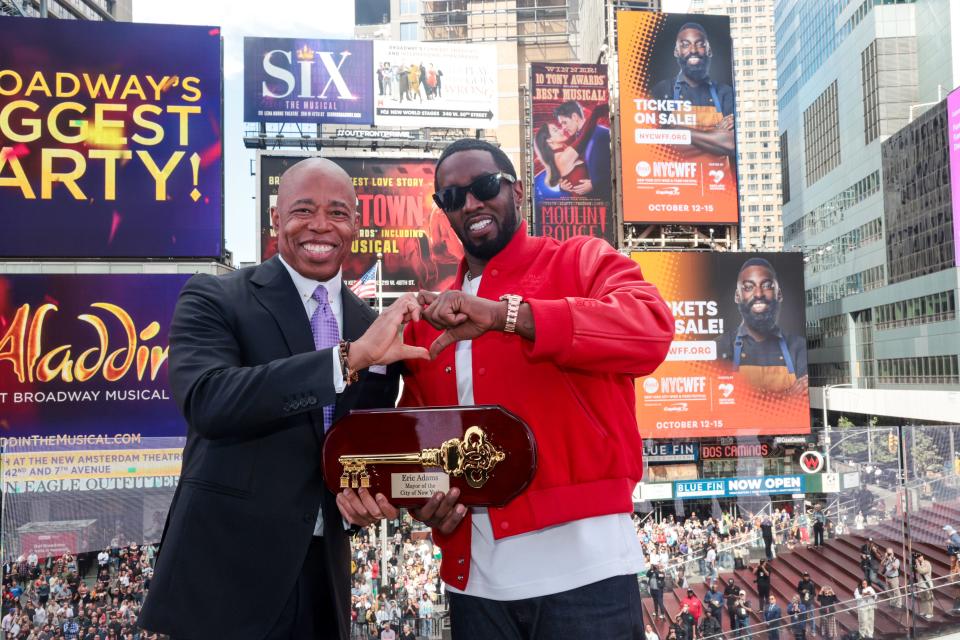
<point>838,564</point>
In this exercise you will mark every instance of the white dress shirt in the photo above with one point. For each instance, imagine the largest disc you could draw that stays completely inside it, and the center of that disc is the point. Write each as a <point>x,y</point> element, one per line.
<point>528,565</point>
<point>305,287</point>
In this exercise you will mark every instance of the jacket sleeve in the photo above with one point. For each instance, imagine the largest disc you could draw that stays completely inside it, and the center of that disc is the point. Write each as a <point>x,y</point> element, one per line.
<point>618,323</point>
<point>221,397</point>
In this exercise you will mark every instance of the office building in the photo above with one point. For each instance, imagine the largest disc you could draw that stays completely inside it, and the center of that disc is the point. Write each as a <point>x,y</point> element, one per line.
<point>859,179</point>
<point>758,143</point>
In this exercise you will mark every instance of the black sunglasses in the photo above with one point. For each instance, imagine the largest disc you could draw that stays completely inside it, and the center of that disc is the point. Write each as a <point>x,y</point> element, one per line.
<point>483,188</point>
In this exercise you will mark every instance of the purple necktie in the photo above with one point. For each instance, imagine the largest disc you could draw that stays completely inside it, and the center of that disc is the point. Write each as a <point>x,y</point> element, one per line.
<point>326,334</point>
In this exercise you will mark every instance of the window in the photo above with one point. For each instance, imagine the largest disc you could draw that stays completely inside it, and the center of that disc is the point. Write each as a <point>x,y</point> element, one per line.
<point>821,135</point>
<point>871,93</point>
<point>784,168</point>
<point>409,7</point>
<point>408,31</point>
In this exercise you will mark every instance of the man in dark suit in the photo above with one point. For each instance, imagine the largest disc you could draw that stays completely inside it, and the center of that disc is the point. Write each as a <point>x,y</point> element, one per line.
<point>255,547</point>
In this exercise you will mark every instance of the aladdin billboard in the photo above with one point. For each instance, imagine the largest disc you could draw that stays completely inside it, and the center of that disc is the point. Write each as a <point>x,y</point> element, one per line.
<point>110,140</point>
<point>85,356</point>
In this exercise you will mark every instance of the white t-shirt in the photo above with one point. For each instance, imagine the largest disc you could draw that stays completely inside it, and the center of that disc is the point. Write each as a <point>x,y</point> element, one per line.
<point>526,565</point>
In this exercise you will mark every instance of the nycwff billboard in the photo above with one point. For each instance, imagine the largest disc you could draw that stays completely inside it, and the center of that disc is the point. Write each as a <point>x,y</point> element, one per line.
<point>397,219</point>
<point>738,363</point>
<point>306,80</point>
<point>678,146</point>
<point>86,355</point>
<point>435,84</point>
<point>572,190</point>
<point>110,140</point>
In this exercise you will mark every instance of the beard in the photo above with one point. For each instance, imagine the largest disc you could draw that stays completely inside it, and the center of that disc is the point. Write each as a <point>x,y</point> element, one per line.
<point>699,71</point>
<point>489,248</point>
<point>763,322</point>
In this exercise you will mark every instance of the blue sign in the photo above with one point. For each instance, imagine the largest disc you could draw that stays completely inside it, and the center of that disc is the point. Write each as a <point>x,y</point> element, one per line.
<point>765,485</point>
<point>699,488</point>
<point>306,80</point>
<point>732,487</point>
<point>664,452</point>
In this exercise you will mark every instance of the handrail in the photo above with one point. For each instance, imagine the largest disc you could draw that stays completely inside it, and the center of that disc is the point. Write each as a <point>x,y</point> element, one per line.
<point>843,606</point>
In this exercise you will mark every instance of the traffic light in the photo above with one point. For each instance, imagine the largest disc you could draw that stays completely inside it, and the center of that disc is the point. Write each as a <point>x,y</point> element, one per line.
<point>893,442</point>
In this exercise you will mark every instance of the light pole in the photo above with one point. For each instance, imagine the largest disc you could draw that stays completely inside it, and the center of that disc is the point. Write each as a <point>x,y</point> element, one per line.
<point>826,421</point>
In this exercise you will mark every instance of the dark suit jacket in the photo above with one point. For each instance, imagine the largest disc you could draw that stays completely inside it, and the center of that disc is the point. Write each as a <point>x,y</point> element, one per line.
<point>245,373</point>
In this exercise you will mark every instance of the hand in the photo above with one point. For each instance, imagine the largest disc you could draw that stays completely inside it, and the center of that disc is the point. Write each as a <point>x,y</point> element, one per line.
<point>726,124</point>
<point>382,343</point>
<point>797,388</point>
<point>583,187</point>
<point>460,316</point>
<point>441,512</point>
<point>565,185</point>
<point>362,509</point>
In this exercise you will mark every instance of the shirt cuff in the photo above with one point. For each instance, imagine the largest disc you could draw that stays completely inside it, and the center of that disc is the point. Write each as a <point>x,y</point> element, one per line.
<point>338,384</point>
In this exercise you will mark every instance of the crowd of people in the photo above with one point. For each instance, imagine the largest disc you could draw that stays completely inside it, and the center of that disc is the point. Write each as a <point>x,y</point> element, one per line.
<point>677,551</point>
<point>407,603</point>
<point>96,596</point>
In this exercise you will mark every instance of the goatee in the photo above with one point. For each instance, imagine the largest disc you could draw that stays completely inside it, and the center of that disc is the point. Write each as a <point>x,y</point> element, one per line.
<point>764,322</point>
<point>489,248</point>
<point>699,71</point>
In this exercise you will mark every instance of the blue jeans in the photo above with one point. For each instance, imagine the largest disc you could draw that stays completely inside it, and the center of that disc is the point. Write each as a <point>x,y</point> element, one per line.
<point>609,609</point>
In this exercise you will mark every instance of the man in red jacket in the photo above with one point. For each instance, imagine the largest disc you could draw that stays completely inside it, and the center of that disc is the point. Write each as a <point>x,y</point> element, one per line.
<point>556,333</point>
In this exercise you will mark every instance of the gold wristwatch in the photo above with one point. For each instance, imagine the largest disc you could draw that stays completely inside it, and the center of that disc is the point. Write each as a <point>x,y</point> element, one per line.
<point>513,310</point>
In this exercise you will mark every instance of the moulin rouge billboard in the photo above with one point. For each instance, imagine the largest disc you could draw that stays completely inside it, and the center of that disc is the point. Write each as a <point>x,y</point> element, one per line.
<point>87,355</point>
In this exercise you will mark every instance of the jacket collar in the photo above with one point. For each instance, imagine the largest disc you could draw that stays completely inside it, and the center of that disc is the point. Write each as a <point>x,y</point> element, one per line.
<point>518,254</point>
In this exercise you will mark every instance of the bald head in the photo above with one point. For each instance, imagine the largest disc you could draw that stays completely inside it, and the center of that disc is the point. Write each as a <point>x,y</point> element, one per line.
<point>315,217</point>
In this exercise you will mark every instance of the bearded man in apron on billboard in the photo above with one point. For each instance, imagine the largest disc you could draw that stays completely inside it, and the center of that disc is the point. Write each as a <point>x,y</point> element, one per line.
<point>758,349</point>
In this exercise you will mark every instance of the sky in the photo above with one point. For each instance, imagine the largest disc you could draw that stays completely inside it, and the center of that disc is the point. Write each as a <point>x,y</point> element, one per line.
<point>236,19</point>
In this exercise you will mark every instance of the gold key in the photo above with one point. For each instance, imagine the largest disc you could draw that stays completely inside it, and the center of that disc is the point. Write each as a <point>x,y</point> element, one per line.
<point>473,457</point>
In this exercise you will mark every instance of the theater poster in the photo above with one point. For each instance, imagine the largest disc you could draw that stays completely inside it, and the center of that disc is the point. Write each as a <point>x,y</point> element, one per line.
<point>435,84</point>
<point>398,219</point>
<point>86,356</point>
<point>572,190</point>
<point>678,118</point>
<point>738,363</point>
<point>307,80</point>
<point>110,140</point>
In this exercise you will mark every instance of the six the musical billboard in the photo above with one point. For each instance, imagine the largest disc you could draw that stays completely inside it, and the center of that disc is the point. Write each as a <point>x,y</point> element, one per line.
<point>110,140</point>
<point>678,144</point>
<point>307,80</point>
<point>398,219</point>
<point>572,189</point>
<point>738,363</point>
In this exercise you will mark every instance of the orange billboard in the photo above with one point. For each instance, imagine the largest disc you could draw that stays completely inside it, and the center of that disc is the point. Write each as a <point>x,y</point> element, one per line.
<point>677,127</point>
<point>738,362</point>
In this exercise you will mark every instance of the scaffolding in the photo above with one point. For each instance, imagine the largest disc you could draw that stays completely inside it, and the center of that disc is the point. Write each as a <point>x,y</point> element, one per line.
<point>525,21</point>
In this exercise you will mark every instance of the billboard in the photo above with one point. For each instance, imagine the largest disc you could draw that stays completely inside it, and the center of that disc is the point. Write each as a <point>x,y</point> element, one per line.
<point>307,80</point>
<point>435,84</point>
<point>83,359</point>
<point>397,219</point>
<point>738,362</point>
<point>678,145</point>
<point>666,452</point>
<point>572,189</point>
<point>732,487</point>
<point>953,142</point>
<point>110,140</point>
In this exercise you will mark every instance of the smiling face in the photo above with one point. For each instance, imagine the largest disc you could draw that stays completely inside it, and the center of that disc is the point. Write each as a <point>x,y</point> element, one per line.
<point>483,226</point>
<point>693,53</point>
<point>758,298</point>
<point>315,218</point>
